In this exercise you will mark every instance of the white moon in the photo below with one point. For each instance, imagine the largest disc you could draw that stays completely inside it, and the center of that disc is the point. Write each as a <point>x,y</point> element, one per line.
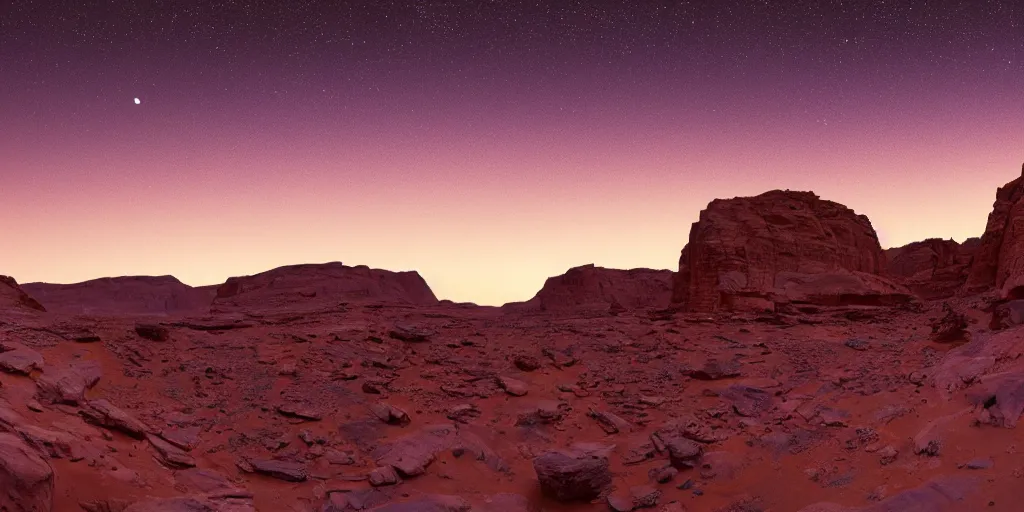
<point>138,101</point>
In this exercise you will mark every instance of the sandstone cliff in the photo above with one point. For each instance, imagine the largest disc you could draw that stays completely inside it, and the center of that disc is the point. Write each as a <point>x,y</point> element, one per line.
<point>781,247</point>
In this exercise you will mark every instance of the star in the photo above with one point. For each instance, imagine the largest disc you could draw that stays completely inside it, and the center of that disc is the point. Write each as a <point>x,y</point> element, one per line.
<point>138,101</point>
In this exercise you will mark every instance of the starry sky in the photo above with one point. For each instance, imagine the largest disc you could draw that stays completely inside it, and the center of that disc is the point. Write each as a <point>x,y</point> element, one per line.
<point>487,144</point>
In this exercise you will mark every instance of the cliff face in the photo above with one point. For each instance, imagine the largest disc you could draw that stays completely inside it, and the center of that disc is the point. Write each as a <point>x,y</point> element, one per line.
<point>133,295</point>
<point>596,288</point>
<point>781,246</point>
<point>14,297</point>
<point>998,263</point>
<point>321,284</point>
<point>933,268</point>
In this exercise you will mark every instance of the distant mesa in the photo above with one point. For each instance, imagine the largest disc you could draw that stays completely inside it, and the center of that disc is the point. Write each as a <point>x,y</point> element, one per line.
<point>933,268</point>
<point>998,262</point>
<point>14,297</point>
<point>589,287</point>
<point>325,284</point>
<point>131,295</point>
<point>782,247</point>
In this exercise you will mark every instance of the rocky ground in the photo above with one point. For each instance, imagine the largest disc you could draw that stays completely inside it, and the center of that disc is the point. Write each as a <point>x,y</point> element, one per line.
<point>369,407</point>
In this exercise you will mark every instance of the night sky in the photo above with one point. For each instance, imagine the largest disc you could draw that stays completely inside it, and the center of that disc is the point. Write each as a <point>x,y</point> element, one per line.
<point>487,144</point>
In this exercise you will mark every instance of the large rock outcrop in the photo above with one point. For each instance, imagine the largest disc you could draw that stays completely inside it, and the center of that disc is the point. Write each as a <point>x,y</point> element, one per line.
<point>119,296</point>
<point>999,260</point>
<point>321,285</point>
<point>13,297</point>
<point>782,247</point>
<point>590,287</point>
<point>932,268</point>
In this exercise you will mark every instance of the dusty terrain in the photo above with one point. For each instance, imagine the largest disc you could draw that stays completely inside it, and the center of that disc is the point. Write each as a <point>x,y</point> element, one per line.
<point>790,370</point>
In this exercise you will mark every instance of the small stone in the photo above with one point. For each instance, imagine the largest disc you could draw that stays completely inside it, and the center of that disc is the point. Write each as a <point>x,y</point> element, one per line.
<point>682,452</point>
<point>526,363</point>
<point>645,496</point>
<point>384,475</point>
<point>619,503</point>
<point>857,344</point>
<point>512,386</point>
<point>663,475</point>
<point>296,410</point>
<point>887,455</point>
<point>979,464</point>
<point>390,414</point>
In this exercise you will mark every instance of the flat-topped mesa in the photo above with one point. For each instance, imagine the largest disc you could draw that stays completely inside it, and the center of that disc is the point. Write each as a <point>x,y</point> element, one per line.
<point>932,268</point>
<point>999,260</point>
<point>314,285</point>
<point>589,287</point>
<point>117,296</point>
<point>752,253</point>
<point>14,297</point>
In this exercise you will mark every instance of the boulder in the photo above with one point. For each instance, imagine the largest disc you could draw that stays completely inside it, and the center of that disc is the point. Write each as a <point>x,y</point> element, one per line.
<point>26,480</point>
<point>782,247</point>
<point>1007,314</point>
<point>952,327</point>
<point>572,477</point>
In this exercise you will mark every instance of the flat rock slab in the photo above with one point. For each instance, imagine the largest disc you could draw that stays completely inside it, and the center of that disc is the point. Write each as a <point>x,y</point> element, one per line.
<point>279,469</point>
<point>28,479</point>
<point>104,414</point>
<point>300,411</point>
<point>22,361</point>
<point>67,385</point>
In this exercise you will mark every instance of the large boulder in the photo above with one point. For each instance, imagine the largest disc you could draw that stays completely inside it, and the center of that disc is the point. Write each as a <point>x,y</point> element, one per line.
<point>600,289</point>
<point>323,285</point>
<point>26,480</point>
<point>932,268</point>
<point>119,296</point>
<point>571,476</point>
<point>999,260</point>
<point>782,247</point>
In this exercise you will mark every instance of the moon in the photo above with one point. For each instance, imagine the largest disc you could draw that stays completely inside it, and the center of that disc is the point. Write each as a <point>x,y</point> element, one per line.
<point>138,101</point>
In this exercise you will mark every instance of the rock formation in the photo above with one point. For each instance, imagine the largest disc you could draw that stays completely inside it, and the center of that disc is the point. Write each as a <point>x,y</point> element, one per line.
<point>781,247</point>
<point>999,260</point>
<point>13,297</point>
<point>596,288</point>
<point>932,268</point>
<point>132,295</point>
<point>321,285</point>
